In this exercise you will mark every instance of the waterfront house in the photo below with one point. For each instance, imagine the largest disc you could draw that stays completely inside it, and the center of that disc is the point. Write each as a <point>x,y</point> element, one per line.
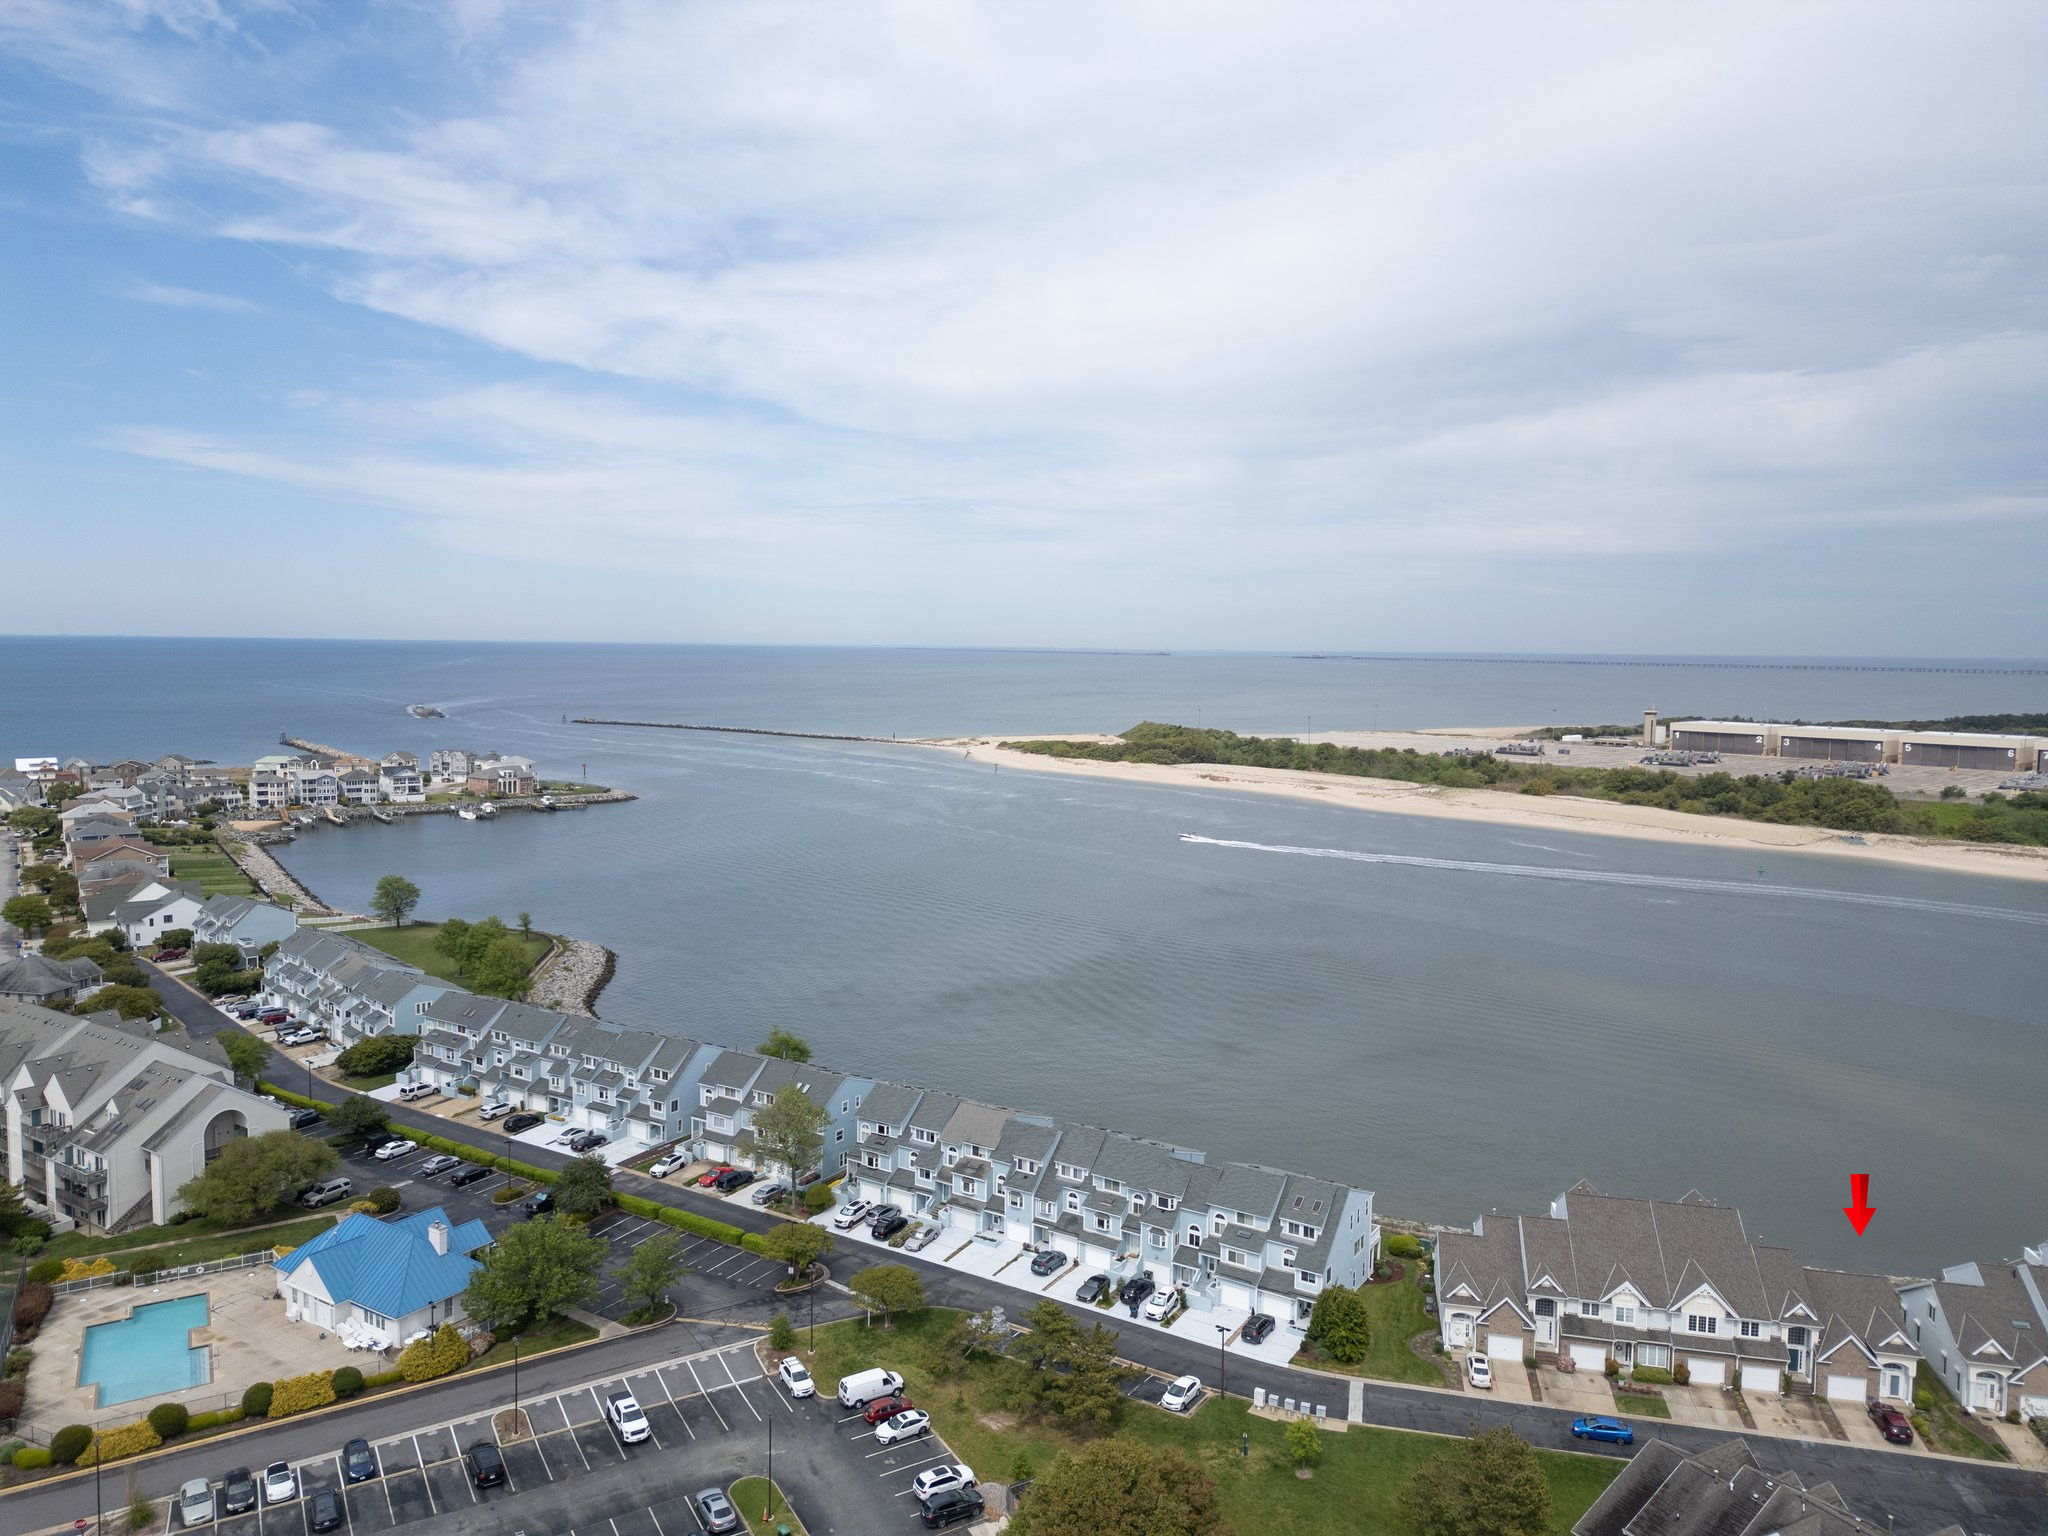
<point>269,790</point>
<point>399,759</point>
<point>1722,1490</point>
<point>244,922</point>
<point>37,978</point>
<point>1984,1329</point>
<point>382,1281</point>
<point>1846,1336</point>
<point>315,786</point>
<point>348,988</point>
<point>503,776</point>
<point>736,1084</point>
<point>454,762</point>
<point>103,1125</point>
<point>359,786</point>
<point>401,783</point>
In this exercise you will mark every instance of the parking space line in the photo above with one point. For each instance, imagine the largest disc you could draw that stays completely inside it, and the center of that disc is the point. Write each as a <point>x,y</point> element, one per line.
<point>726,1364</point>
<point>658,1376</point>
<point>425,1481</point>
<point>570,1430</point>
<point>707,1398</point>
<point>658,1531</point>
<point>378,1456</point>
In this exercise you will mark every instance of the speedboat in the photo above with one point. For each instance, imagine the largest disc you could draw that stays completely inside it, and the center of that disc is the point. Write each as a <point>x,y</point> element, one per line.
<point>466,812</point>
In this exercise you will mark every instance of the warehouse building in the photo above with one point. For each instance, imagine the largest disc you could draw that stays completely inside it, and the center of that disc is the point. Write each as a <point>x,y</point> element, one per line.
<point>1864,744</point>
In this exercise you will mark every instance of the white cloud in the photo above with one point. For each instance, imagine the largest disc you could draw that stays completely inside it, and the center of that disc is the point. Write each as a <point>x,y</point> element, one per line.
<point>174,297</point>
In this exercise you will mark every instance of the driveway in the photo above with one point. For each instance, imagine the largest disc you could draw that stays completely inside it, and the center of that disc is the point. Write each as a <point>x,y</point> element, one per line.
<point>1703,1405</point>
<point>1576,1392</point>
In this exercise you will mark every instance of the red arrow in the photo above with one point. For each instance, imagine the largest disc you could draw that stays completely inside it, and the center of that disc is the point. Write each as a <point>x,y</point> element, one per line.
<point>1860,1213</point>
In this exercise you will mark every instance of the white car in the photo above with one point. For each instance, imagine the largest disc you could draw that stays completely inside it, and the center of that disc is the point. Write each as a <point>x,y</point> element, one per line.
<point>195,1502</point>
<point>440,1162</point>
<point>1159,1303</point>
<point>795,1377</point>
<point>849,1214</point>
<point>947,1474</point>
<point>1479,1370</point>
<point>280,1483</point>
<point>623,1409</point>
<point>567,1136</point>
<point>662,1167</point>
<point>907,1425</point>
<point>495,1110</point>
<point>1181,1393</point>
<point>397,1146</point>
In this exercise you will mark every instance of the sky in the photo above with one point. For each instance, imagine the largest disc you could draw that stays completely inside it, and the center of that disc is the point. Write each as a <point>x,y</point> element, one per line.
<point>1257,326</point>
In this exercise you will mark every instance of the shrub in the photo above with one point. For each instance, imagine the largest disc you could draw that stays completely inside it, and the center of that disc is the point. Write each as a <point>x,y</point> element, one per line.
<point>818,1197</point>
<point>1923,1399</point>
<point>348,1381</point>
<point>297,1394</point>
<point>43,1271</point>
<point>13,1393</point>
<point>384,1200</point>
<point>505,1194</point>
<point>215,1419</point>
<point>67,1444</point>
<point>1402,1245</point>
<point>1611,1366</point>
<point>377,1055</point>
<point>1651,1376</point>
<point>141,1512</point>
<point>256,1399</point>
<point>33,1305</point>
<point>113,1444</point>
<point>1681,1373</point>
<point>18,1361</point>
<point>383,1378</point>
<point>782,1333</point>
<point>32,1458</point>
<point>169,1419</point>
<point>87,1269</point>
<point>434,1356</point>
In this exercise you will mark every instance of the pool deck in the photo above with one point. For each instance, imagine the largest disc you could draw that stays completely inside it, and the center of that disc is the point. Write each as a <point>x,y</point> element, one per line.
<point>246,1330</point>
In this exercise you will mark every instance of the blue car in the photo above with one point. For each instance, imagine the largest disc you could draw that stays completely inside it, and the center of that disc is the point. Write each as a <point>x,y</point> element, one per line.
<point>1603,1429</point>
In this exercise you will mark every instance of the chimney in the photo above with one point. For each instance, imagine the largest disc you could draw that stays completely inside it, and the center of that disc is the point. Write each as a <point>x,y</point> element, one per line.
<point>1649,727</point>
<point>437,1234</point>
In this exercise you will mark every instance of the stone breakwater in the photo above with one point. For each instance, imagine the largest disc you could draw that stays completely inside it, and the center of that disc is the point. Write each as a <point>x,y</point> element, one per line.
<point>569,978</point>
<point>272,878</point>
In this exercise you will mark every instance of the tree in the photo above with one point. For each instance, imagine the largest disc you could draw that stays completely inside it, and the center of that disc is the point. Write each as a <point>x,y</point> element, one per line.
<point>500,970</point>
<point>16,1220</point>
<point>526,925</point>
<point>536,1269</point>
<point>247,1055</point>
<point>35,820</point>
<point>974,1336</point>
<point>377,1055</point>
<point>1075,1375</point>
<point>1341,1325</point>
<point>394,899</point>
<point>1121,1485</point>
<point>1489,1485</point>
<point>62,792</point>
<point>781,1333</point>
<point>887,1289</point>
<point>799,1244</point>
<point>790,1047</point>
<point>256,1174</point>
<point>31,914</point>
<point>584,1187</point>
<point>217,954</point>
<point>128,1001</point>
<point>176,938</point>
<point>1304,1441</point>
<point>357,1117</point>
<point>649,1271</point>
<point>788,1131</point>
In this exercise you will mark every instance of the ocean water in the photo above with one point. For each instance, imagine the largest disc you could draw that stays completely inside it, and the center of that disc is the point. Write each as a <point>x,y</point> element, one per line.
<point>1460,1017</point>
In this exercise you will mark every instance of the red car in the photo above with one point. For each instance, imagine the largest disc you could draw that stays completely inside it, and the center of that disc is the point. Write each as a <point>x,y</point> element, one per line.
<point>1891,1423</point>
<point>712,1177</point>
<point>168,954</point>
<point>272,1016</point>
<point>887,1407</point>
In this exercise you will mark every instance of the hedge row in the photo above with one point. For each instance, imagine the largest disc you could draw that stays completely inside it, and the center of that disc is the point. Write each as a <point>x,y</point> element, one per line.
<point>298,1394</point>
<point>113,1444</point>
<point>439,1354</point>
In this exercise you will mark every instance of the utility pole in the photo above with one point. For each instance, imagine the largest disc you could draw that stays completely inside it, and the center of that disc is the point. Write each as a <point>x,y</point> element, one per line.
<point>1222,1357</point>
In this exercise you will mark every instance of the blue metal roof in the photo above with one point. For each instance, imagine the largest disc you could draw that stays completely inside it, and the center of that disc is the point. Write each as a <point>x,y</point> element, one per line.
<point>390,1267</point>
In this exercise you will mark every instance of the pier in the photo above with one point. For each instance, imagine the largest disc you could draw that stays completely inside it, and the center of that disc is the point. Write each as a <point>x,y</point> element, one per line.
<point>734,730</point>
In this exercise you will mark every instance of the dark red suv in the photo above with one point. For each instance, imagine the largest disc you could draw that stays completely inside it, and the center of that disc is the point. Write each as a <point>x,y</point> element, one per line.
<point>887,1407</point>
<point>1891,1423</point>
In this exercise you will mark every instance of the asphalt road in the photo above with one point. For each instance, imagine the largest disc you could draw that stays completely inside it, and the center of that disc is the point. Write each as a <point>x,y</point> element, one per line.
<point>1920,1495</point>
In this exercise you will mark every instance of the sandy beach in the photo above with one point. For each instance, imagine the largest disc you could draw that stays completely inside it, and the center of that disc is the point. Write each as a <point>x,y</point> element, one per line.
<point>1555,813</point>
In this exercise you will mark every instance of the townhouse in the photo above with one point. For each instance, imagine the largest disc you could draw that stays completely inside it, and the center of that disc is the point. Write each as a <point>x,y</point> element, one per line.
<point>103,1123</point>
<point>1231,1237</point>
<point>735,1085</point>
<point>244,922</point>
<point>349,989</point>
<point>36,978</point>
<point>1846,1336</point>
<point>400,782</point>
<point>1720,1491</point>
<point>1984,1328</point>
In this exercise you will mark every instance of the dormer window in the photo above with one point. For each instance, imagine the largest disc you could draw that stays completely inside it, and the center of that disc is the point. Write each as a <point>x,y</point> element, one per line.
<point>1026,1166</point>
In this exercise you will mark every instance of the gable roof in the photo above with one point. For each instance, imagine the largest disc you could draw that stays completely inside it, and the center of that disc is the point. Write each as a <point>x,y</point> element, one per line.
<point>390,1266</point>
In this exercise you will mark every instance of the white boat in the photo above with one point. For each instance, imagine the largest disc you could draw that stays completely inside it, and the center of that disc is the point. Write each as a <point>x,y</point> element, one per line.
<point>487,810</point>
<point>467,813</point>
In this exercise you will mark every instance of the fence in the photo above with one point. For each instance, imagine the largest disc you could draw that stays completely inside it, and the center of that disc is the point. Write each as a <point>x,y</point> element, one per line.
<point>211,1267</point>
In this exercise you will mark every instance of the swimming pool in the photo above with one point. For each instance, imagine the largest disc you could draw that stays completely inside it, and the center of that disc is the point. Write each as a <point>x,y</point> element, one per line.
<point>148,1353</point>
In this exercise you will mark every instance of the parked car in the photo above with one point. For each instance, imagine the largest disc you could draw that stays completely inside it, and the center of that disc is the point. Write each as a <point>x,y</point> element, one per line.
<point>272,1016</point>
<point>878,1212</point>
<point>396,1146</point>
<point>302,1118</point>
<point>768,1194</point>
<point>890,1225</point>
<point>623,1409</point>
<point>280,1483</point>
<point>486,1466</point>
<point>849,1214</point>
<point>715,1511</point>
<point>662,1167</point>
<point>705,1181</point>
<point>324,1511</point>
<point>795,1379</point>
<point>171,954</point>
<point>468,1173</point>
<point>566,1136</point>
<point>245,1010</point>
<point>541,1204</point>
<point>495,1110</point>
<point>326,1192</point>
<point>886,1407</point>
<point>1479,1371</point>
<point>358,1461</point>
<point>926,1234</point>
<point>298,1036</point>
<point>1181,1393</point>
<point>1135,1290</point>
<point>440,1162</point>
<point>410,1091</point>
<point>1257,1327</point>
<point>950,1506</point>
<point>947,1474</point>
<point>907,1425</point>
<point>524,1121</point>
<point>1092,1288</point>
<point>1159,1303</point>
<point>237,1491</point>
<point>1588,1427</point>
<point>1891,1423</point>
<point>863,1387</point>
<point>734,1179</point>
<point>1050,1262</point>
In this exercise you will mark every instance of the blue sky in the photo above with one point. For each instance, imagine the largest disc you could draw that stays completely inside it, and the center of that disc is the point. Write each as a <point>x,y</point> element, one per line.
<point>1645,329</point>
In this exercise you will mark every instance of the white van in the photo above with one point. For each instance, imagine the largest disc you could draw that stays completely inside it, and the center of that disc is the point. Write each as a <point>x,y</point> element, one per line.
<point>863,1387</point>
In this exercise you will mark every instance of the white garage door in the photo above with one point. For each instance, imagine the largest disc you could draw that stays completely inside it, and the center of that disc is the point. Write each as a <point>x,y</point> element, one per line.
<point>1709,1373</point>
<point>1847,1389</point>
<point>1239,1296</point>
<point>1589,1357</point>
<point>1504,1346</point>
<point>1761,1378</point>
<point>2034,1407</point>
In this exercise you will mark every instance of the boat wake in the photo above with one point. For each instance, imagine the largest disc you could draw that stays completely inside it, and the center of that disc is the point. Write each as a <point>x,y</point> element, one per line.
<point>1654,882</point>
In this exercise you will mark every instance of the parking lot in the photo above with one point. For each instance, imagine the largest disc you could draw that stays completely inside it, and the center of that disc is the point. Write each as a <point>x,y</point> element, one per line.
<point>712,1416</point>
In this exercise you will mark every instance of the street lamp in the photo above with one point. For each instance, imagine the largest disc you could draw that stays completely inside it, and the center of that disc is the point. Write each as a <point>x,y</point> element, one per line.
<point>1222,1359</point>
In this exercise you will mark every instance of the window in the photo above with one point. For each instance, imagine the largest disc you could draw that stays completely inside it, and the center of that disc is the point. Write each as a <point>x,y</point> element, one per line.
<point>1232,1256</point>
<point>839,1135</point>
<point>1026,1165</point>
<point>1067,1170</point>
<point>1111,1185</point>
<point>1656,1355</point>
<point>1750,1330</point>
<point>661,1074</point>
<point>1795,1335</point>
<point>1589,1309</point>
<point>1624,1313</point>
<point>1164,1202</point>
<point>927,1138</point>
<point>1696,1323</point>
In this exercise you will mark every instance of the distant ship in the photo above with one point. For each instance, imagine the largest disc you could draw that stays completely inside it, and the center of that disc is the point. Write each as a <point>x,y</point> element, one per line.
<point>426,712</point>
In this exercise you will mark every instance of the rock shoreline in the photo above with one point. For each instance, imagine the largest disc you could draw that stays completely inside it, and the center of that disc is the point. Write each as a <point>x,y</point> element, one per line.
<point>569,979</point>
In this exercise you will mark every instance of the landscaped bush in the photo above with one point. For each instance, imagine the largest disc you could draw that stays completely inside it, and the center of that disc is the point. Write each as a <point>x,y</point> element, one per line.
<point>18,1361</point>
<point>1681,1373</point>
<point>169,1419</point>
<point>113,1444</point>
<point>505,1194</point>
<point>1402,1245</point>
<point>13,1393</point>
<point>32,1458</point>
<point>348,1381</point>
<point>384,1200</point>
<point>383,1378</point>
<point>214,1420</point>
<point>1651,1376</point>
<point>377,1055</point>
<point>87,1269</point>
<point>1611,1366</point>
<point>818,1197</point>
<point>781,1332</point>
<point>43,1271</point>
<point>68,1442</point>
<point>436,1356</point>
<point>256,1399</point>
<point>297,1394</point>
<point>33,1305</point>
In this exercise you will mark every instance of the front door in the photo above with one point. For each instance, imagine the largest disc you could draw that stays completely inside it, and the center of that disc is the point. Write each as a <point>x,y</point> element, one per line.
<point>1546,1322</point>
<point>1987,1391</point>
<point>1895,1382</point>
<point>1461,1331</point>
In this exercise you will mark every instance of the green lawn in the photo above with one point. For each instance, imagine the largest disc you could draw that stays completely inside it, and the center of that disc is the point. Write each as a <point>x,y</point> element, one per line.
<point>1397,1316</point>
<point>1356,1489</point>
<point>1648,1405</point>
<point>368,1084</point>
<point>76,1245</point>
<point>572,787</point>
<point>751,1495</point>
<point>414,944</point>
<point>212,871</point>
<point>203,1250</point>
<point>1943,1425</point>
<point>536,1340</point>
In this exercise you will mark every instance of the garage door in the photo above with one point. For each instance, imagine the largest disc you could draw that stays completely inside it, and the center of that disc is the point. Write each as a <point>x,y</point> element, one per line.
<point>1239,1296</point>
<point>1848,1389</point>
<point>1709,1373</point>
<point>2034,1407</point>
<point>1504,1346</point>
<point>1589,1357</point>
<point>1761,1378</point>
